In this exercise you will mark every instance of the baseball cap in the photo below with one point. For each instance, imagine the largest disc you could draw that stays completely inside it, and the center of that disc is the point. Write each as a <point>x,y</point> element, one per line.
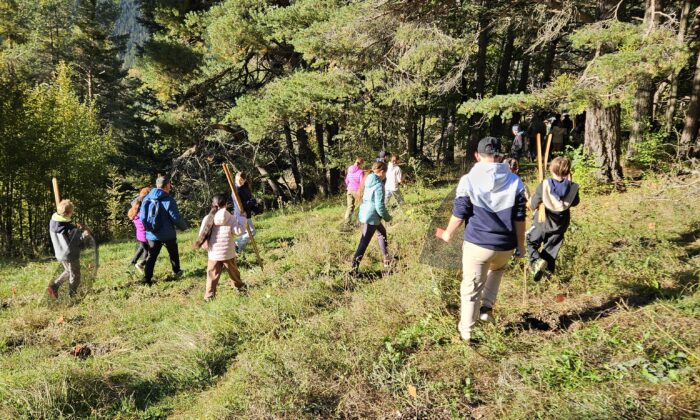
<point>489,146</point>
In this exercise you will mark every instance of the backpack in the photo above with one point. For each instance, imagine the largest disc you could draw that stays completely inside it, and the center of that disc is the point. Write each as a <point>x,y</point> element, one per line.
<point>152,221</point>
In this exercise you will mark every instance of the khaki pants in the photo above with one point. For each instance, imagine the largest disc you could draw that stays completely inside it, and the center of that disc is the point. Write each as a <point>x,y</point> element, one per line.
<point>482,270</point>
<point>214,269</point>
<point>350,203</point>
<point>71,272</point>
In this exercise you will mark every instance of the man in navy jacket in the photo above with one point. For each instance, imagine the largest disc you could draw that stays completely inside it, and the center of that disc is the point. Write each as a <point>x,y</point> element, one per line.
<point>167,220</point>
<point>491,202</point>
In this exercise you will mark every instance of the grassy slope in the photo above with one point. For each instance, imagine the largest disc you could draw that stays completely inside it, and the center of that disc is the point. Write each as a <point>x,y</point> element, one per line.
<point>614,333</point>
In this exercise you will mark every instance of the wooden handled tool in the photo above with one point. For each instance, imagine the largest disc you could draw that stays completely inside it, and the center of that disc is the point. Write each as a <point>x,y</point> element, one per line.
<point>232,185</point>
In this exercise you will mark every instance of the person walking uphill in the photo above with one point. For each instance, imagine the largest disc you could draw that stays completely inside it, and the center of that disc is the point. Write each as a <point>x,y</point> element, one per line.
<point>352,183</point>
<point>490,200</point>
<point>216,236</point>
<point>142,249</point>
<point>160,217</point>
<point>394,179</point>
<point>558,194</point>
<point>250,207</point>
<point>66,239</point>
<point>372,212</point>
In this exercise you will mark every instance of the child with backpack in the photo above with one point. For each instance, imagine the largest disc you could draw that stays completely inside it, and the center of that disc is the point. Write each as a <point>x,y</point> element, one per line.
<point>142,249</point>
<point>557,194</point>
<point>250,207</point>
<point>216,235</point>
<point>66,239</point>
<point>372,211</point>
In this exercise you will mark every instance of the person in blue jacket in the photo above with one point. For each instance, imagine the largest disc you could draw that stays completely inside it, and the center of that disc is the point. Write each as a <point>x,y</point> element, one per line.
<point>167,219</point>
<point>490,201</point>
<point>372,212</point>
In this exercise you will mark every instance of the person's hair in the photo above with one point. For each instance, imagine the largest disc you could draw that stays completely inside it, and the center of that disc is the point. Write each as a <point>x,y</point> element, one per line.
<point>217,203</point>
<point>65,207</point>
<point>162,182</point>
<point>395,159</point>
<point>134,210</point>
<point>359,161</point>
<point>378,166</point>
<point>560,166</point>
<point>241,176</point>
<point>512,164</point>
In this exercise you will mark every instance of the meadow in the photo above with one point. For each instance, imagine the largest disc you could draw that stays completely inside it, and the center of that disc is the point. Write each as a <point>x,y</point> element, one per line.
<point>615,333</point>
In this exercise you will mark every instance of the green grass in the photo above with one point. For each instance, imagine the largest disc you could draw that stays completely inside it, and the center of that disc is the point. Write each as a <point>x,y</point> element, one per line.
<point>615,333</point>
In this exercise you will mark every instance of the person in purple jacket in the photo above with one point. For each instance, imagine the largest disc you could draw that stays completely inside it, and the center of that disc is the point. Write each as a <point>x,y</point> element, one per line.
<point>142,249</point>
<point>353,177</point>
<point>490,200</point>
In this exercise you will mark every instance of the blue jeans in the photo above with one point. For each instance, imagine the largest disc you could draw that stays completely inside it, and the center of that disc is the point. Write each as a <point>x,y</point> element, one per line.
<point>242,242</point>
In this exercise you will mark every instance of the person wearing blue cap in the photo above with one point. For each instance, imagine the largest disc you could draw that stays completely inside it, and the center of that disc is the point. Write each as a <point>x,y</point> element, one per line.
<point>491,202</point>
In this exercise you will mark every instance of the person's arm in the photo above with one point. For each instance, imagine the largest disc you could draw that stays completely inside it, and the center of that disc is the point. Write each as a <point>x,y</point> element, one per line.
<point>399,176</point>
<point>576,201</point>
<point>379,204</point>
<point>175,216</point>
<point>462,211</point>
<point>536,198</point>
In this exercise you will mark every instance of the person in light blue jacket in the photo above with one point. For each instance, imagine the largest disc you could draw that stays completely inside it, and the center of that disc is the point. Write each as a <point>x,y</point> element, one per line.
<point>372,212</point>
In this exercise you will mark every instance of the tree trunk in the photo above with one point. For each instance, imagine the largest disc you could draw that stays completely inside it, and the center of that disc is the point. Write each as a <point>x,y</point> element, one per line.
<point>524,74</point>
<point>307,159</point>
<point>293,161</point>
<point>318,130</point>
<point>506,59</point>
<point>451,134</point>
<point>673,94</point>
<point>274,186</point>
<point>411,144</point>
<point>548,68</point>
<point>689,145</point>
<point>643,110</point>
<point>422,134</point>
<point>602,140</point>
<point>480,80</point>
<point>333,173</point>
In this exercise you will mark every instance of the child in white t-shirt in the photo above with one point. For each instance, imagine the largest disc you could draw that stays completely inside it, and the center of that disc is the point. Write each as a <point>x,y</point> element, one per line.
<point>393,181</point>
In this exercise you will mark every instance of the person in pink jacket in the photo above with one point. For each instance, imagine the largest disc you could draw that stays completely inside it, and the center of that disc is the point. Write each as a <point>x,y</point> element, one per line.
<point>216,235</point>
<point>353,178</point>
<point>142,249</point>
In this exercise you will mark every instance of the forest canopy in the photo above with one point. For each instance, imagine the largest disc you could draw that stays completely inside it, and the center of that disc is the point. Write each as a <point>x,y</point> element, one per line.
<point>108,94</point>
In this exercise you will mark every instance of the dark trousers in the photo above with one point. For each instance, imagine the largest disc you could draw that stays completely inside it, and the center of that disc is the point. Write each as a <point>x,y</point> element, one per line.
<point>366,238</point>
<point>550,243</point>
<point>142,249</point>
<point>154,251</point>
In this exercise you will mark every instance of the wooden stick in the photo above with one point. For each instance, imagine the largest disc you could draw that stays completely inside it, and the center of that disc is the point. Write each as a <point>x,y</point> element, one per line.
<point>232,185</point>
<point>525,283</point>
<point>540,173</point>
<point>541,213</point>
<point>56,193</point>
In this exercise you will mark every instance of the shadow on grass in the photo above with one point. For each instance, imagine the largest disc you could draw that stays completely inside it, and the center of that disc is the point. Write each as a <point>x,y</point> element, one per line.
<point>639,295</point>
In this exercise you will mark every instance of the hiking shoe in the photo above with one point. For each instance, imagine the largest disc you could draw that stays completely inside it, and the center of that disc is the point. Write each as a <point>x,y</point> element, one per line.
<point>179,274</point>
<point>139,267</point>
<point>486,315</point>
<point>538,269</point>
<point>52,292</point>
<point>147,282</point>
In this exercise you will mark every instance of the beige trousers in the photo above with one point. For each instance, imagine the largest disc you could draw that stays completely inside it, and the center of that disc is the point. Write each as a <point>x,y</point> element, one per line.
<point>214,269</point>
<point>350,206</point>
<point>482,270</point>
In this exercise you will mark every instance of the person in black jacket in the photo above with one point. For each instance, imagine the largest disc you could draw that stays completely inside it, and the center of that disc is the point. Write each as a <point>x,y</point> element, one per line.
<point>250,207</point>
<point>557,194</point>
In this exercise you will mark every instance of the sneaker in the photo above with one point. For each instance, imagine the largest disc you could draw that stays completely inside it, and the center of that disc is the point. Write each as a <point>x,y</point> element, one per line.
<point>538,269</point>
<point>52,292</point>
<point>147,282</point>
<point>209,299</point>
<point>486,315</point>
<point>178,274</point>
<point>139,267</point>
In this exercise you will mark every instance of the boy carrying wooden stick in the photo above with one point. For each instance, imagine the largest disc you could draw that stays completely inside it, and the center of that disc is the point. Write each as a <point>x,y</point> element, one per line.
<point>546,236</point>
<point>66,238</point>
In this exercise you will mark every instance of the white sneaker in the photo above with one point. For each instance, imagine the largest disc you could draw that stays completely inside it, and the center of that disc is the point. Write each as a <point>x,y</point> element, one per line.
<point>487,316</point>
